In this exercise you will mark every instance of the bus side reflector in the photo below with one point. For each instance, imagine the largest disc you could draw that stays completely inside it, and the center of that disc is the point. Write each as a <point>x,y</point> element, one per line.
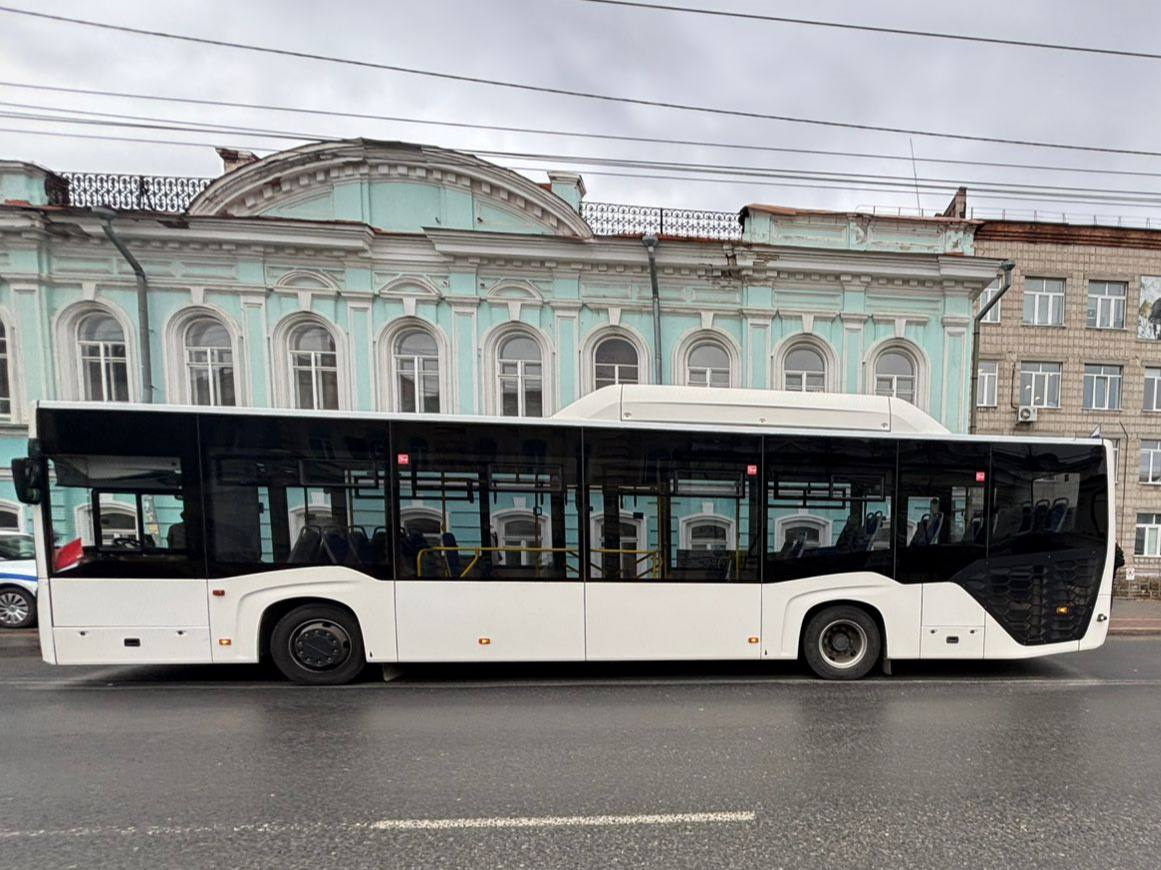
<point>218,593</point>
<point>752,639</point>
<point>484,641</point>
<point>224,641</point>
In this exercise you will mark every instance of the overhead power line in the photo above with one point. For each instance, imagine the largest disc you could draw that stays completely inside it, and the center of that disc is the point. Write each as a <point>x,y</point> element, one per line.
<point>723,173</point>
<point>539,131</point>
<point>868,28</point>
<point>179,125</point>
<point>567,92</point>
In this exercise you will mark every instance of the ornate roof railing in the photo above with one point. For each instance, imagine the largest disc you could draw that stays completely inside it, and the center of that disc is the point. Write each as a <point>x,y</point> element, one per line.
<point>173,194</point>
<point>615,219</point>
<point>165,193</point>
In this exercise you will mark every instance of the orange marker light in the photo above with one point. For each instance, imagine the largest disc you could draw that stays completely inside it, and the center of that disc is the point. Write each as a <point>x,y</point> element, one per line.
<point>218,593</point>
<point>752,639</point>
<point>484,641</point>
<point>224,641</point>
<point>1062,610</point>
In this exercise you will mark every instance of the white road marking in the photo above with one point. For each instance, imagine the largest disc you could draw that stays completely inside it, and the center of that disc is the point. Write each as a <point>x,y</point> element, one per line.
<point>564,821</point>
<point>390,825</point>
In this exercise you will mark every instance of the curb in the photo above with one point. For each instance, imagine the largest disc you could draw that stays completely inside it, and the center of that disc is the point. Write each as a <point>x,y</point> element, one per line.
<point>22,640</point>
<point>1135,630</point>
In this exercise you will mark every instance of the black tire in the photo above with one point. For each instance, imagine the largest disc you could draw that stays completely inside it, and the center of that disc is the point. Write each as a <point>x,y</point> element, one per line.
<point>14,601</point>
<point>842,643</point>
<point>318,645</point>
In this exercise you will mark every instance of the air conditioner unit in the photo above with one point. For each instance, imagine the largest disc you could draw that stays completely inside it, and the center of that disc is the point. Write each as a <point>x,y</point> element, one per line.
<point>1026,414</point>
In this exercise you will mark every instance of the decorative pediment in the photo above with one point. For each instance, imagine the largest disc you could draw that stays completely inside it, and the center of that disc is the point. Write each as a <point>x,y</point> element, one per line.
<point>392,186</point>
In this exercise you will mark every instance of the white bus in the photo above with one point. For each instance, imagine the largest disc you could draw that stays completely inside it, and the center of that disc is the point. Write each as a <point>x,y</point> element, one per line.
<point>641,523</point>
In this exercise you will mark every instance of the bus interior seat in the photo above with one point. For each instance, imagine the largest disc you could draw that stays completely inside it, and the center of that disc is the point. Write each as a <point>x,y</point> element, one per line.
<point>306,548</point>
<point>361,545</point>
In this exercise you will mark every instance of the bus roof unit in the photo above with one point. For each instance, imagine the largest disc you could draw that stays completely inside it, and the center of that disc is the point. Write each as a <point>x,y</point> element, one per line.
<point>735,407</point>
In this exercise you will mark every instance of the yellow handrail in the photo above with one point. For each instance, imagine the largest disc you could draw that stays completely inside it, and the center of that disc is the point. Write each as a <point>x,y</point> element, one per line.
<point>479,552</point>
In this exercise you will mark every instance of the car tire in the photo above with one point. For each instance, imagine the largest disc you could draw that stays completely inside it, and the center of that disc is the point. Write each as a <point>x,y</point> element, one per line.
<point>318,645</point>
<point>842,642</point>
<point>17,608</point>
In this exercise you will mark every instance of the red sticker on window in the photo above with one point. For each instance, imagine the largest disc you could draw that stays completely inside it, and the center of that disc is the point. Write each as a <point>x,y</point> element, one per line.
<point>403,459</point>
<point>981,477</point>
<point>751,471</point>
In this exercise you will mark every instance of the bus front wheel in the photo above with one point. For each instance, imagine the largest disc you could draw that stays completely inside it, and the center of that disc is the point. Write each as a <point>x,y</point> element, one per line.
<point>318,645</point>
<point>842,643</point>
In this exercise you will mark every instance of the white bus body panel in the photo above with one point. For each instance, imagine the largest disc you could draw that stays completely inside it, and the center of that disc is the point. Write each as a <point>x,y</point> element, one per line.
<point>658,620</point>
<point>129,620</point>
<point>236,615</point>
<point>785,605</point>
<point>490,620</point>
<point>953,623</point>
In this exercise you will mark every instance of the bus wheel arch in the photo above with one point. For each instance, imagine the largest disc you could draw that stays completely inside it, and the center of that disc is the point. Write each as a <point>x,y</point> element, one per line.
<point>313,640</point>
<point>842,639</point>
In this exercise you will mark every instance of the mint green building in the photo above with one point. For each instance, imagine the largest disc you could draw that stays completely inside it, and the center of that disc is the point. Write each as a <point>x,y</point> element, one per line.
<point>370,275</point>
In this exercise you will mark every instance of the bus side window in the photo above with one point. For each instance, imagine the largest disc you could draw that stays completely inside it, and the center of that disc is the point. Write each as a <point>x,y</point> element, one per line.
<point>486,503</point>
<point>296,493</point>
<point>943,521</point>
<point>828,506</point>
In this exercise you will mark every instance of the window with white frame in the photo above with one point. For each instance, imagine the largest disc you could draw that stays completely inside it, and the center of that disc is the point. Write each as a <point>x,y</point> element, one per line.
<point>1040,384</point>
<point>209,363</point>
<point>895,375</point>
<point>118,523</point>
<point>1150,461</point>
<point>1148,541</point>
<point>5,378</point>
<point>709,533</point>
<point>986,383</point>
<point>521,536</point>
<point>1043,301</point>
<point>9,519</point>
<point>615,362</point>
<point>1106,304</point>
<point>314,368</point>
<point>707,365</point>
<point>810,534</point>
<point>520,374</point>
<point>804,370</point>
<point>104,366</point>
<point>1152,400</point>
<point>630,543</point>
<point>988,294</point>
<point>1102,387</point>
<point>416,361</point>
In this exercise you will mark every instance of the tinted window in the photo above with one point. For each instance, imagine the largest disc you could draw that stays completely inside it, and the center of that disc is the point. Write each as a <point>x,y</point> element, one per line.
<point>483,502</point>
<point>669,506</point>
<point>828,506</point>
<point>120,504</point>
<point>283,493</point>
<point>942,526</point>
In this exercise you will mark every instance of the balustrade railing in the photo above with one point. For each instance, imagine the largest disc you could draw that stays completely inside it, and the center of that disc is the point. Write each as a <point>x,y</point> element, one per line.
<point>164,193</point>
<point>615,219</point>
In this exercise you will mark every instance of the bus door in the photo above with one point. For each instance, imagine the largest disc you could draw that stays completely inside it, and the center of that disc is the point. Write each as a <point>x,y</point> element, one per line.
<point>674,541</point>
<point>126,578</point>
<point>487,546</point>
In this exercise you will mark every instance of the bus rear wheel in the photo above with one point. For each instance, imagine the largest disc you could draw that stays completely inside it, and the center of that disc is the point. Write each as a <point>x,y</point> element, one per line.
<point>842,643</point>
<point>318,645</point>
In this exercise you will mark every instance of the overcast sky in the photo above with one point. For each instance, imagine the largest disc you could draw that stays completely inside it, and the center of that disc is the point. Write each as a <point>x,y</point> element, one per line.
<point>774,68</point>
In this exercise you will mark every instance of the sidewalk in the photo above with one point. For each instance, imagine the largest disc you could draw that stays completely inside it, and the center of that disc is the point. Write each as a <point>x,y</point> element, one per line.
<point>1135,616</point>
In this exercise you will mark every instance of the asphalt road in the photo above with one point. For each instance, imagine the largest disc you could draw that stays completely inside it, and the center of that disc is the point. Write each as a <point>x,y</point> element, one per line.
<point>1047,763</point>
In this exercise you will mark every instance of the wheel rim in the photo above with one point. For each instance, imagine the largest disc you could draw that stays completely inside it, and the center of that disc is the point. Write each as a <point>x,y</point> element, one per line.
<point>320,645</point>
<point>843,643</point>
<point>13,608</point>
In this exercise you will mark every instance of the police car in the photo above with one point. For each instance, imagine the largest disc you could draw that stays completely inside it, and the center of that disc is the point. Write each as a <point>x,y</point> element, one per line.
<point>17,581</point>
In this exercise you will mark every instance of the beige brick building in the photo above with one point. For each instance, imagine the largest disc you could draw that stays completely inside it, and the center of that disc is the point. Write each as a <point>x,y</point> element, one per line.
<point>1074,340</point>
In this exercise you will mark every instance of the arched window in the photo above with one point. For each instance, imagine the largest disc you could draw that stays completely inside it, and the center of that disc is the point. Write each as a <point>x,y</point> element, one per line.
<point>104,368</point>
<point>895,375</point>
<point>416,363</point>
<point>631,543</point>
<point>804,370</point>
<point>520,375</point>
<point>521,534</point>
<point>707,365</point>
<point>5,379</point>
<point>424,522</point>
<point>615,362</point>
<point>118,523</point>
<point>314,368</point>
<point>209,363</point>
<point>708,534</point>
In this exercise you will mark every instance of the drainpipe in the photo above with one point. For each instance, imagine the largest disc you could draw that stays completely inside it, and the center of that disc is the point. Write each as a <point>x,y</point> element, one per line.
<point>106,216</point>
<point>650,243</point>
<point>1005,274</point>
